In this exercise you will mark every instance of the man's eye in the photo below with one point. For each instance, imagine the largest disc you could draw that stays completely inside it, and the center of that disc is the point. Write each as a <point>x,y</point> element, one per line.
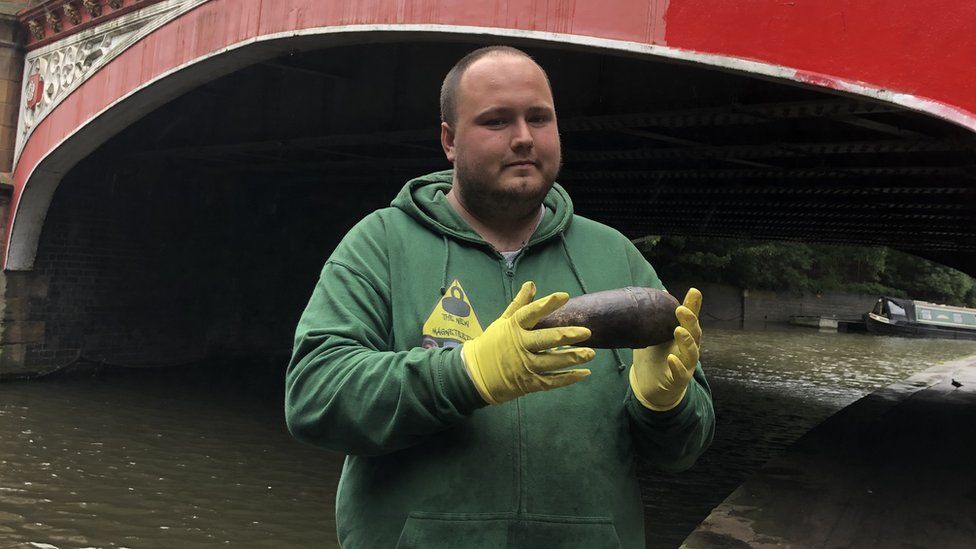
<point>538,119</point>
<point>494,122</point>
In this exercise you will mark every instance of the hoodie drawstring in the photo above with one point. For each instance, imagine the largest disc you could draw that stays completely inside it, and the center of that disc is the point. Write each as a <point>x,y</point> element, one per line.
<point>572,265</point>
<point>447,258</point>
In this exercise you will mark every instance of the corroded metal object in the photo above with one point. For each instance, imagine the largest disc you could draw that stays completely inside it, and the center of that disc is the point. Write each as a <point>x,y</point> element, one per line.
<point>628,317</point>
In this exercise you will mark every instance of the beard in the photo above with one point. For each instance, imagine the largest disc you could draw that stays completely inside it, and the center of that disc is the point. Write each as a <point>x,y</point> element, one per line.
<point>486,197</point>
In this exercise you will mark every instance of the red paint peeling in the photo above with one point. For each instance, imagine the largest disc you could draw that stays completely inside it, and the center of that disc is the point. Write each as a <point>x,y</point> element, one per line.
<point>817,79</point>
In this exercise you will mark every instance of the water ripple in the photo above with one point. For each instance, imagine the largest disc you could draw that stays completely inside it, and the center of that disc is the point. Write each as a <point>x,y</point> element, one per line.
<point>136,461</point>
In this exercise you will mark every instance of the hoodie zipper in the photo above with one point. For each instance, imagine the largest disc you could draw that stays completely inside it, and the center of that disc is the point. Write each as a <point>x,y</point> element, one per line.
<point>520,435</point>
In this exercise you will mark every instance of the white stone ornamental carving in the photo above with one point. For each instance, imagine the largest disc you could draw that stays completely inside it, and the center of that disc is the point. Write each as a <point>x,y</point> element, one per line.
<point>61,67</point>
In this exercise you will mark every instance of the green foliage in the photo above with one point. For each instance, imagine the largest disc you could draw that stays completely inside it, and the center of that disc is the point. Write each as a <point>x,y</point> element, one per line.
<point>802,267</point>
<point>769,264</point>
<point>924,278</point>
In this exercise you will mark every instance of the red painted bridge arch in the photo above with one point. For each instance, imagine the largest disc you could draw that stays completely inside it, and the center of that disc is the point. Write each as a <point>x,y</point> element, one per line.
<point>113,67</point>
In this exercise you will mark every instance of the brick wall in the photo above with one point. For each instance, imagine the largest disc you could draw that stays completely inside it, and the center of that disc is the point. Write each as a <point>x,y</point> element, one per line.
<point>145,267</point>
<point>729,307</point>
<point>765,307</point>
<point>721,304</point>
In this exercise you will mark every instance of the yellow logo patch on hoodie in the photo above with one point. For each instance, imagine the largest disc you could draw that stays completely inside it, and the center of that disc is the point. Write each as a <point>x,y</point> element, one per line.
<point>453,320</point>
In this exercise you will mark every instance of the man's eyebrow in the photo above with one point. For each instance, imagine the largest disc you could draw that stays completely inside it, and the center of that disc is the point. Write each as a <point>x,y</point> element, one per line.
<point>500,109</point>
<point>494,109</point>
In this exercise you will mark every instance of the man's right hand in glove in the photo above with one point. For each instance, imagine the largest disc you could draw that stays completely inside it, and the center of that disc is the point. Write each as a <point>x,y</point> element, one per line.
<point>510,359</point>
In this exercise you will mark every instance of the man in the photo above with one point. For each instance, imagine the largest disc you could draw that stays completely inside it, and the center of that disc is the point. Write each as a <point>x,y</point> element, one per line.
<point>464,434</point>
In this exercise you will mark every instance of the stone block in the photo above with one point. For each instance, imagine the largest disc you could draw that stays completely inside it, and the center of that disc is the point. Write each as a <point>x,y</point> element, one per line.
<point>8,138</point>
<point>8,132</point>
<point>10,31</point>
<point>13,359</point>
<point>11,64</point>
<point>26,284</point>
<point>9,113</point>
<point>16,308</point>
<point>6,51</point>
<point>21,331</point>
<point>10,92</point>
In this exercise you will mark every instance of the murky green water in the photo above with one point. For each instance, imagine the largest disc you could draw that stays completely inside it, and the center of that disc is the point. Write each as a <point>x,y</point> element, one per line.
<point>201,458</point>
<point>770,388</point>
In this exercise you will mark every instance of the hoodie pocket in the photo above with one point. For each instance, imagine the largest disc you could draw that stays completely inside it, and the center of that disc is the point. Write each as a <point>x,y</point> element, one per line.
<point>476,531</point>
<point>566,532</point>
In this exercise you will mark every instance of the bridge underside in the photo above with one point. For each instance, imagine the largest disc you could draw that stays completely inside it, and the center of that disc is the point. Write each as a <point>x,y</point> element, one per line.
<point>649,147</point>
<point>200,229</point>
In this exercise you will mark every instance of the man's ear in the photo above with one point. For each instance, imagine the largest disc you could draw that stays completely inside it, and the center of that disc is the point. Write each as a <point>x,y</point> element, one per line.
<point>447,142</point>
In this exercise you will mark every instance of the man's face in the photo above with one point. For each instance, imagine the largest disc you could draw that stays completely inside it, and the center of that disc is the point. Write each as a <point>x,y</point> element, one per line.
<point>505,142</point>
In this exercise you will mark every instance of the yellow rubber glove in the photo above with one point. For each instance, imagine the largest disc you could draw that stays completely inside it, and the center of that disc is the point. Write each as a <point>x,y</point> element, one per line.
<point>661,373</point>
<point>510,359</point>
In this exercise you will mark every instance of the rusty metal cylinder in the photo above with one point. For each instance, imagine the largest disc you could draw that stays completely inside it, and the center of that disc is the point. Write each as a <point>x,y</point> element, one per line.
<point>630,317</point>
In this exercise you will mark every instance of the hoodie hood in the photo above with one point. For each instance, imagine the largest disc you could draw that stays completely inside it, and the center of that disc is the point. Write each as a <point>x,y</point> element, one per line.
<point>425,199</point>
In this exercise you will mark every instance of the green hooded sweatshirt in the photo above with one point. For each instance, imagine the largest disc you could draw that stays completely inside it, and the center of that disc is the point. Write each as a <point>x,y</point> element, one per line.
<point>377,374</point>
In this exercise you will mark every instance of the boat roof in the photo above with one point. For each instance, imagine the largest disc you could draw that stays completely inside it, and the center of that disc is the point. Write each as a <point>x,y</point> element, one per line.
<point>947,307</point>
<point>903,302</point>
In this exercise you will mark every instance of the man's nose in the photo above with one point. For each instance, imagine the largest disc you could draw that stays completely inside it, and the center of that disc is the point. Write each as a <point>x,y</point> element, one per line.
<point>521,135</point>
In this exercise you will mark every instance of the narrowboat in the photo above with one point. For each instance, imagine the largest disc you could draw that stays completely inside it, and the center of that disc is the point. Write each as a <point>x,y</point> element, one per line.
<point>913,318</point>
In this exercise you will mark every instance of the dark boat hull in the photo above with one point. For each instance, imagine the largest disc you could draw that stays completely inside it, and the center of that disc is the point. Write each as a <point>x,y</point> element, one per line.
<point>902,329</point>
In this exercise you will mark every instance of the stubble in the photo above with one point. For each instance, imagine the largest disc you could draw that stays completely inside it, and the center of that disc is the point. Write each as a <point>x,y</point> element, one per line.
<point>485,198</point>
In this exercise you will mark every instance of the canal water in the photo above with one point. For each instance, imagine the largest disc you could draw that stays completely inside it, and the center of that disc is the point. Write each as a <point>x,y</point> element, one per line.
<point>199,456</point>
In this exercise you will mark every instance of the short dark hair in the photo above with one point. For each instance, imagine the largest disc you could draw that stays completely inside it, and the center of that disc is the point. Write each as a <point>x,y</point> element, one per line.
<point>452,81</point>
